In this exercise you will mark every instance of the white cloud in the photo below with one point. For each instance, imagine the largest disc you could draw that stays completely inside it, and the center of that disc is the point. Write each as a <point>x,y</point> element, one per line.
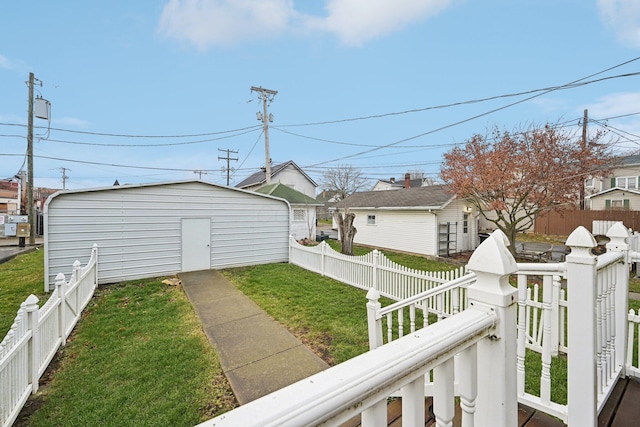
<point>358,21</point>
<point>615,104</point>
<point>624,129</point>
<point>206,23</point>
<point>9,64</point>
<point>624,17</point>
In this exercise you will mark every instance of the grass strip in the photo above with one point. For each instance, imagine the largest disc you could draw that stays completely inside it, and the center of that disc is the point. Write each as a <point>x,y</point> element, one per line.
<point>20,277</point>
<point>137,358</point>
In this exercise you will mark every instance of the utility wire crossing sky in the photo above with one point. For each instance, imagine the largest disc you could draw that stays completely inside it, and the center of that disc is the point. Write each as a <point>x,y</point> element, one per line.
<point>158,91</point>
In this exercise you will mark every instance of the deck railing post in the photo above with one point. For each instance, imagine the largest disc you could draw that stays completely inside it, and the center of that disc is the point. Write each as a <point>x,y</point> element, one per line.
<point>497,403</point>
<point>30,306</point>
<point>619,242</point>
<point>582,404</point>
<point>374,325</point>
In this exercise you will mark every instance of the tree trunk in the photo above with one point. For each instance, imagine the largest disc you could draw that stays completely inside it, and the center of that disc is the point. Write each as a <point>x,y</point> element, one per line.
<point>347,232</point>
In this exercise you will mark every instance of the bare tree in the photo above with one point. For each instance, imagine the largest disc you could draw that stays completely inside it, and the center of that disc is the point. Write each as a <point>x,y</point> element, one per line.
<point>518,175</point>
<point>344,180</point>
<point>347,231</point>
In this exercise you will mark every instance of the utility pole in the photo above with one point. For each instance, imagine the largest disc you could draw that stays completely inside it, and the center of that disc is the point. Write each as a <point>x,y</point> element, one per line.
<point>266,96</point>
<point>585,121</point>
<point>30,208</point>
<point>200,174</point>
<point>64,177</point>
<point>228,159</point>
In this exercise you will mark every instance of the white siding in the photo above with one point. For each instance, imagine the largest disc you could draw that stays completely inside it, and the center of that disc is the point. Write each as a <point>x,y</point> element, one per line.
<point>138,228</point>
<point>292,177</point>
<point>409,231</point>
<point>300,227</point>
<point>415,231</point>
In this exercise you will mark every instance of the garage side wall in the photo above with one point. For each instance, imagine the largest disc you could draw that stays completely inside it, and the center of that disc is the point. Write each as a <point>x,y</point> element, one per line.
<point>138,229</point>
<point>408,231</point>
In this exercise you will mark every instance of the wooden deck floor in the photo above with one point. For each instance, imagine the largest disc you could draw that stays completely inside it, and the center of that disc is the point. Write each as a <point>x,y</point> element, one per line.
<point>622,410</point>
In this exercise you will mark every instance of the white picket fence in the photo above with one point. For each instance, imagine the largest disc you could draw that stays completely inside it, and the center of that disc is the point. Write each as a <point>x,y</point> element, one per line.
<point>478,352</point>
<point>373,270</point>
<point>37,333</point>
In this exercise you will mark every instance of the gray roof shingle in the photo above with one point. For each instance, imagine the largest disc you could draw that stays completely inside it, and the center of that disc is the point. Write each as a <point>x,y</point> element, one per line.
<point>430,197</point>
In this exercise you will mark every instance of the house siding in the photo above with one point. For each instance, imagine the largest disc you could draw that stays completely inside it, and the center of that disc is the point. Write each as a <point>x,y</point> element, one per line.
<point>408,231</point>
<point>599,202</point>
<point>138,229</point>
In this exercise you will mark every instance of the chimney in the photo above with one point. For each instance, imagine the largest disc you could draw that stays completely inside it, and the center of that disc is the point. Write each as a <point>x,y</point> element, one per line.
<point>392,180</point>
<point>407,180</point>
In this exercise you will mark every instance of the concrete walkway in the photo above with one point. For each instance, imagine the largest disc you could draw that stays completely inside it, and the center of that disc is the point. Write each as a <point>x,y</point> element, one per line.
<point>257,355</point>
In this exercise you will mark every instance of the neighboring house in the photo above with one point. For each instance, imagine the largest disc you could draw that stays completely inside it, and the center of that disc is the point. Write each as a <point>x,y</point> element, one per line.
<point>287,173</point>
<point>613,199</point>
<point>618,191</point>
<point>392,184</point>
<point>152,230</point>
<point>302,222</point>
<point>328,198</point>
<point>423,220</point>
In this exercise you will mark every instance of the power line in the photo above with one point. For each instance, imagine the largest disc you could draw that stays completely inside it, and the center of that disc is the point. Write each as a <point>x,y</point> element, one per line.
<point>504,107</point>
<point>476,101</point>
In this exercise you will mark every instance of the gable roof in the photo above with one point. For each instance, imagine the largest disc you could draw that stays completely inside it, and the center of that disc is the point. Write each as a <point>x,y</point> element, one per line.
<point>611,190</point>
<point>430,197</point>
<point>260,177</point>
<point>292,196</point>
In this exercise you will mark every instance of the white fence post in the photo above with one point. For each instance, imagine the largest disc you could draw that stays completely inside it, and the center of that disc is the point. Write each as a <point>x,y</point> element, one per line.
<point>323,254</point>
<point>94,257</point>
<point>376,254</point>
<point>497,403</point>
<point>61,292</point>
<point>374,326</point>
<point>619,242</point>
<point>30,306</point>
<point>582,404</point>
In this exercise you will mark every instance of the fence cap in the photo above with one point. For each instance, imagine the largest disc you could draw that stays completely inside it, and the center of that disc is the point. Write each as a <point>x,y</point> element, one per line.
<point>493,256</point>
<point>618,230</point>
<point>580,238</point>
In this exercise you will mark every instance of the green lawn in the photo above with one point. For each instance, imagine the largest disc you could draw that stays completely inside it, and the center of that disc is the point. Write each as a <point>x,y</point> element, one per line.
<point>20,277</point>
<point>139,356</point>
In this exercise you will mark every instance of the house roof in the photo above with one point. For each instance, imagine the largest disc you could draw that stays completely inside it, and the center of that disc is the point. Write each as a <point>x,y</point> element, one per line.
<point>399,183</point>
<point>292,196</point>
<point>611,190</point>
<point>630,160</point>
<point>260,176</point>
<point>430,197</point>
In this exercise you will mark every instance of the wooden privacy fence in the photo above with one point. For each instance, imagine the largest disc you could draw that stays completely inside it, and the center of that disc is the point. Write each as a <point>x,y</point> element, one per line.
<point>563,223</point>
<point>37,333</point>
<point>372,270</point>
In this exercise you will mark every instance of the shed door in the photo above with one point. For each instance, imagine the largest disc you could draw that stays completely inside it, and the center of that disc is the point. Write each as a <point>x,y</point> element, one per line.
<point>196,244</point>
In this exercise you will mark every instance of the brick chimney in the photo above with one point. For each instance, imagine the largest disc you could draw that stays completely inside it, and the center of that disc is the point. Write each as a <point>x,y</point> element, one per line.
<point>407,180</point>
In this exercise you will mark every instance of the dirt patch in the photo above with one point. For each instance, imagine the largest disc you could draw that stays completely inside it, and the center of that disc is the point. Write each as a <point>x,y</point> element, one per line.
<point>321,345</point>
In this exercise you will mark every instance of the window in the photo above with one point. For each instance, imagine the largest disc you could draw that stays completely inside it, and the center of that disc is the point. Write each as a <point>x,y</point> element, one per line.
<point>465,223</point>
<point>630,182</point>
<point>371,220</point>
<point>617,205</point>
<point>589,183</point>
<point>298,215</point>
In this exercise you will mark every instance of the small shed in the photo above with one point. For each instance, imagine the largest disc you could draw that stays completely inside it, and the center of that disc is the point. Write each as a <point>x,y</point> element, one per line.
<point>152,230</point>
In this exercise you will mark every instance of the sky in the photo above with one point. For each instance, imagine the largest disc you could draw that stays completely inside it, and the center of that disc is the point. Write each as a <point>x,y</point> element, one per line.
<point>160,90</point>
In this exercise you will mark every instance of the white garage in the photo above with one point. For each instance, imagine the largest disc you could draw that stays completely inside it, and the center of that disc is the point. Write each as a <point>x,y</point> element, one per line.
<point>153,230</point>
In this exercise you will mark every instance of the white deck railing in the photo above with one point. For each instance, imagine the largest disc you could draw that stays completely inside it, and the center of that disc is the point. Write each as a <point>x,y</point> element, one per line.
<point>372,270</point>
<point>481,336</point>
<point>586,323</point>
<point>37,333</point>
